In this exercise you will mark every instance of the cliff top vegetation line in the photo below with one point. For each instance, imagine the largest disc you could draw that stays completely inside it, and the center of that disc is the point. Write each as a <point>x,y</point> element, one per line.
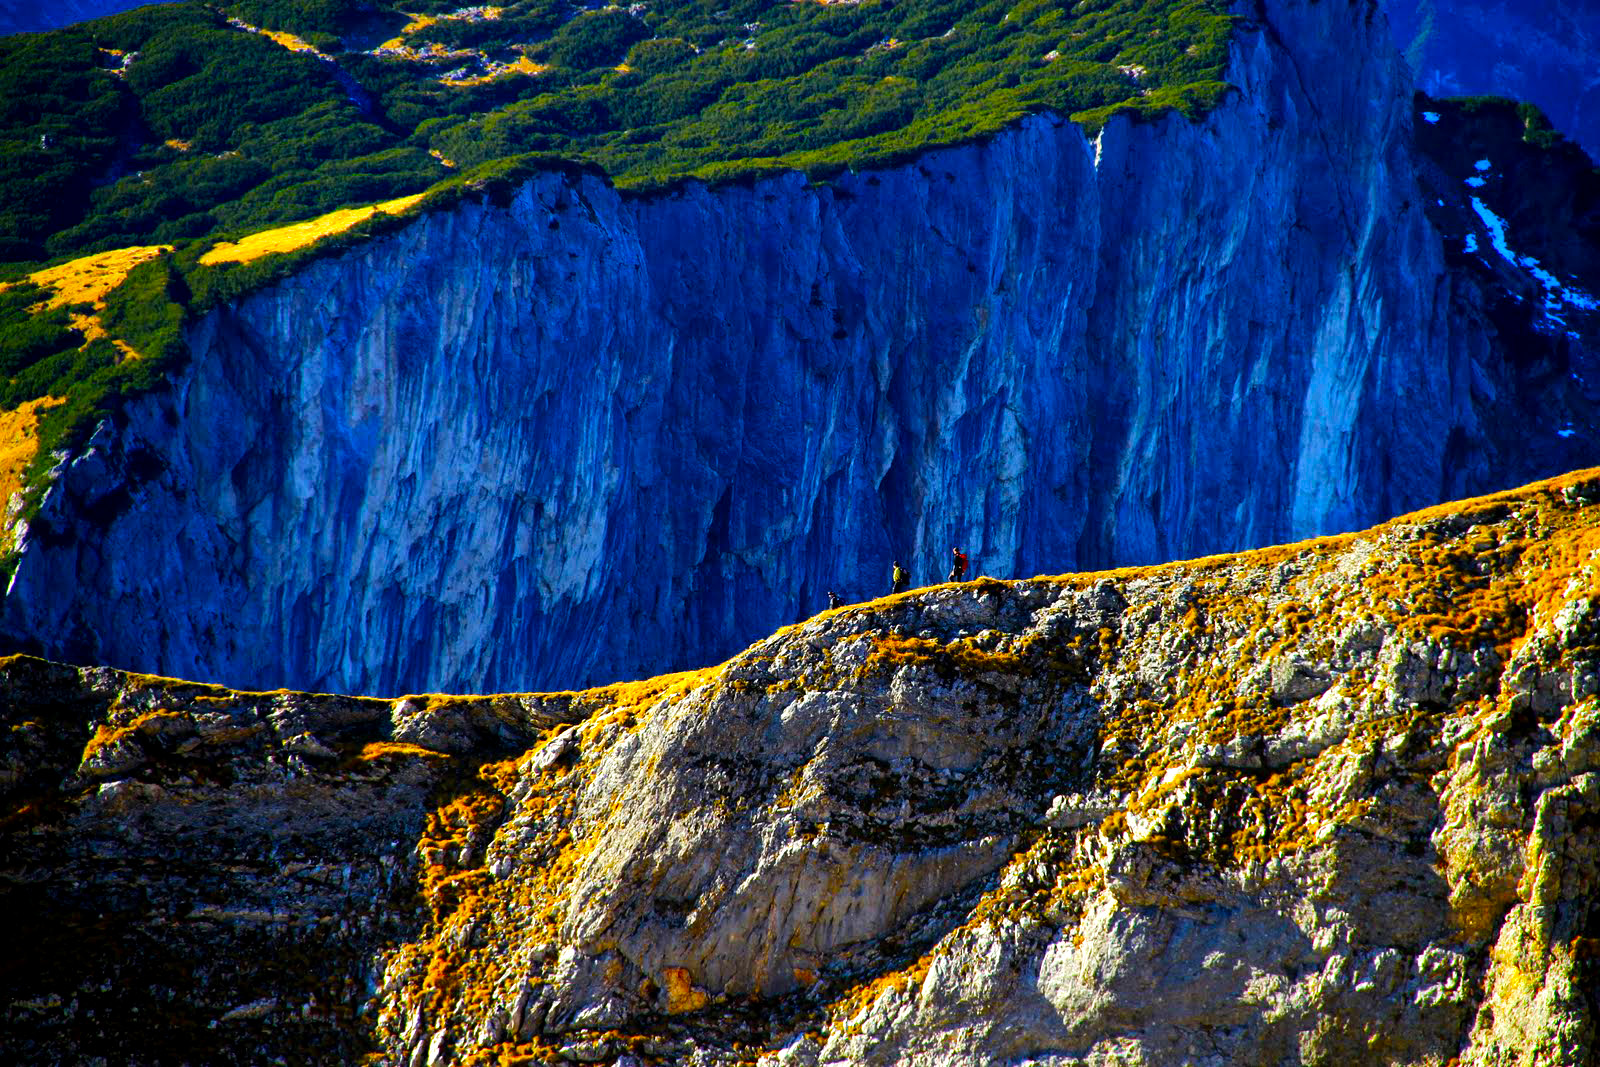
<point>180,122</point>
<point>176,135</point>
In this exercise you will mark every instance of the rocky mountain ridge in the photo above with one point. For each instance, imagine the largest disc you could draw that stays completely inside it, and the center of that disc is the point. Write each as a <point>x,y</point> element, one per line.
<point>1337,801</point>
<point>580,435</point>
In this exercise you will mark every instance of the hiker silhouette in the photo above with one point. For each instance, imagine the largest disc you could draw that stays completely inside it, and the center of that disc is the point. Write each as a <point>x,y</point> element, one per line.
<point>958,565</point>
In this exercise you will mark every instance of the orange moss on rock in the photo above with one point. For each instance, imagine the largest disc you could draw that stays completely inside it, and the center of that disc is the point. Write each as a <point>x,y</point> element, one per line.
<point>378,750</point>
<point>862,996</point>
<point>1479,579</point>
<point>682,995</point>
<point>151,722</point>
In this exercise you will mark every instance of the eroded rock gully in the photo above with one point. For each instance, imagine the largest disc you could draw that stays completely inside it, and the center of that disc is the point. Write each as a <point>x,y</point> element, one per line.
<point>1335,802</point>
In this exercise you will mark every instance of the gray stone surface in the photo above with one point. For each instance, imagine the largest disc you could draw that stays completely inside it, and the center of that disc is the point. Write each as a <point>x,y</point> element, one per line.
<point>1068,821</point>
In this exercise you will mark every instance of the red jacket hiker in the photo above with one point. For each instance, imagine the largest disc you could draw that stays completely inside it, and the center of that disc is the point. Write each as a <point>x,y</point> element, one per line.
<point>958,566</point>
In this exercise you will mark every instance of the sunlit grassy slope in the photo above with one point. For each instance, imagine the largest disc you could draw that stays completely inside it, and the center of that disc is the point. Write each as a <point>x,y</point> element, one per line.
<point>300,234</point>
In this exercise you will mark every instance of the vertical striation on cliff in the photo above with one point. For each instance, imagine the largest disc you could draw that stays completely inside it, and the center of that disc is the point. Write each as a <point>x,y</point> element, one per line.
<point>583,435</point>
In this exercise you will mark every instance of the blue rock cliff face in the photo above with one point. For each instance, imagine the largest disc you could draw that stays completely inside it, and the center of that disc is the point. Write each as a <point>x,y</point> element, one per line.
<point>588,436</point>
<point>34,16</point>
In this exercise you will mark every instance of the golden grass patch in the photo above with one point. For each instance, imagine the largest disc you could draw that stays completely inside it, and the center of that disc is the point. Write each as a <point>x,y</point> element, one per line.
<point>19,443</point>
<point>87,280</point>
<point>523,65</point>
<point>417,23</point>
<point>373,750</point>
<point>422,22</point>
<point>291,42</point>
<point>299,234</point>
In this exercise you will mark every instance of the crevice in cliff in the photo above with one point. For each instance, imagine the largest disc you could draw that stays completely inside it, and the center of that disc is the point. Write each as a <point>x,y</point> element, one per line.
<point>1333,162</point>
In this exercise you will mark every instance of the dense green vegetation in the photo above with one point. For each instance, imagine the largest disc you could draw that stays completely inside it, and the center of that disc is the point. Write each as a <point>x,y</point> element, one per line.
<point>207,127</point>
<point>169,124</point>
<point>28,338</point>
<point>42,355</point>
<point>1503,112</point>
<point>174,125</point>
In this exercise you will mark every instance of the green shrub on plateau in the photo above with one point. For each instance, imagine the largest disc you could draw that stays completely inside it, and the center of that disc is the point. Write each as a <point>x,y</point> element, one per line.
<point>168,123</point>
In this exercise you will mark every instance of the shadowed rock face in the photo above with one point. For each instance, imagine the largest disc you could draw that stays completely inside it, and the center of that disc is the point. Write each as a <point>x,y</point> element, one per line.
<point>1542,52</point>
<point>585,436</point>
<point>1332,802</point>
<point>35,16</point>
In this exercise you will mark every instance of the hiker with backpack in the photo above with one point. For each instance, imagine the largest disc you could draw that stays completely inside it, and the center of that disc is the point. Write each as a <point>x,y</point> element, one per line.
<point>899,579</point>
<point>958,565</point>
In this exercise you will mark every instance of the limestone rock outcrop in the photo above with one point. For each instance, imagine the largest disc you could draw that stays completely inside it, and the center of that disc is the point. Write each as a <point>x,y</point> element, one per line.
<point>1333,802</point>
<point>586,435</point>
